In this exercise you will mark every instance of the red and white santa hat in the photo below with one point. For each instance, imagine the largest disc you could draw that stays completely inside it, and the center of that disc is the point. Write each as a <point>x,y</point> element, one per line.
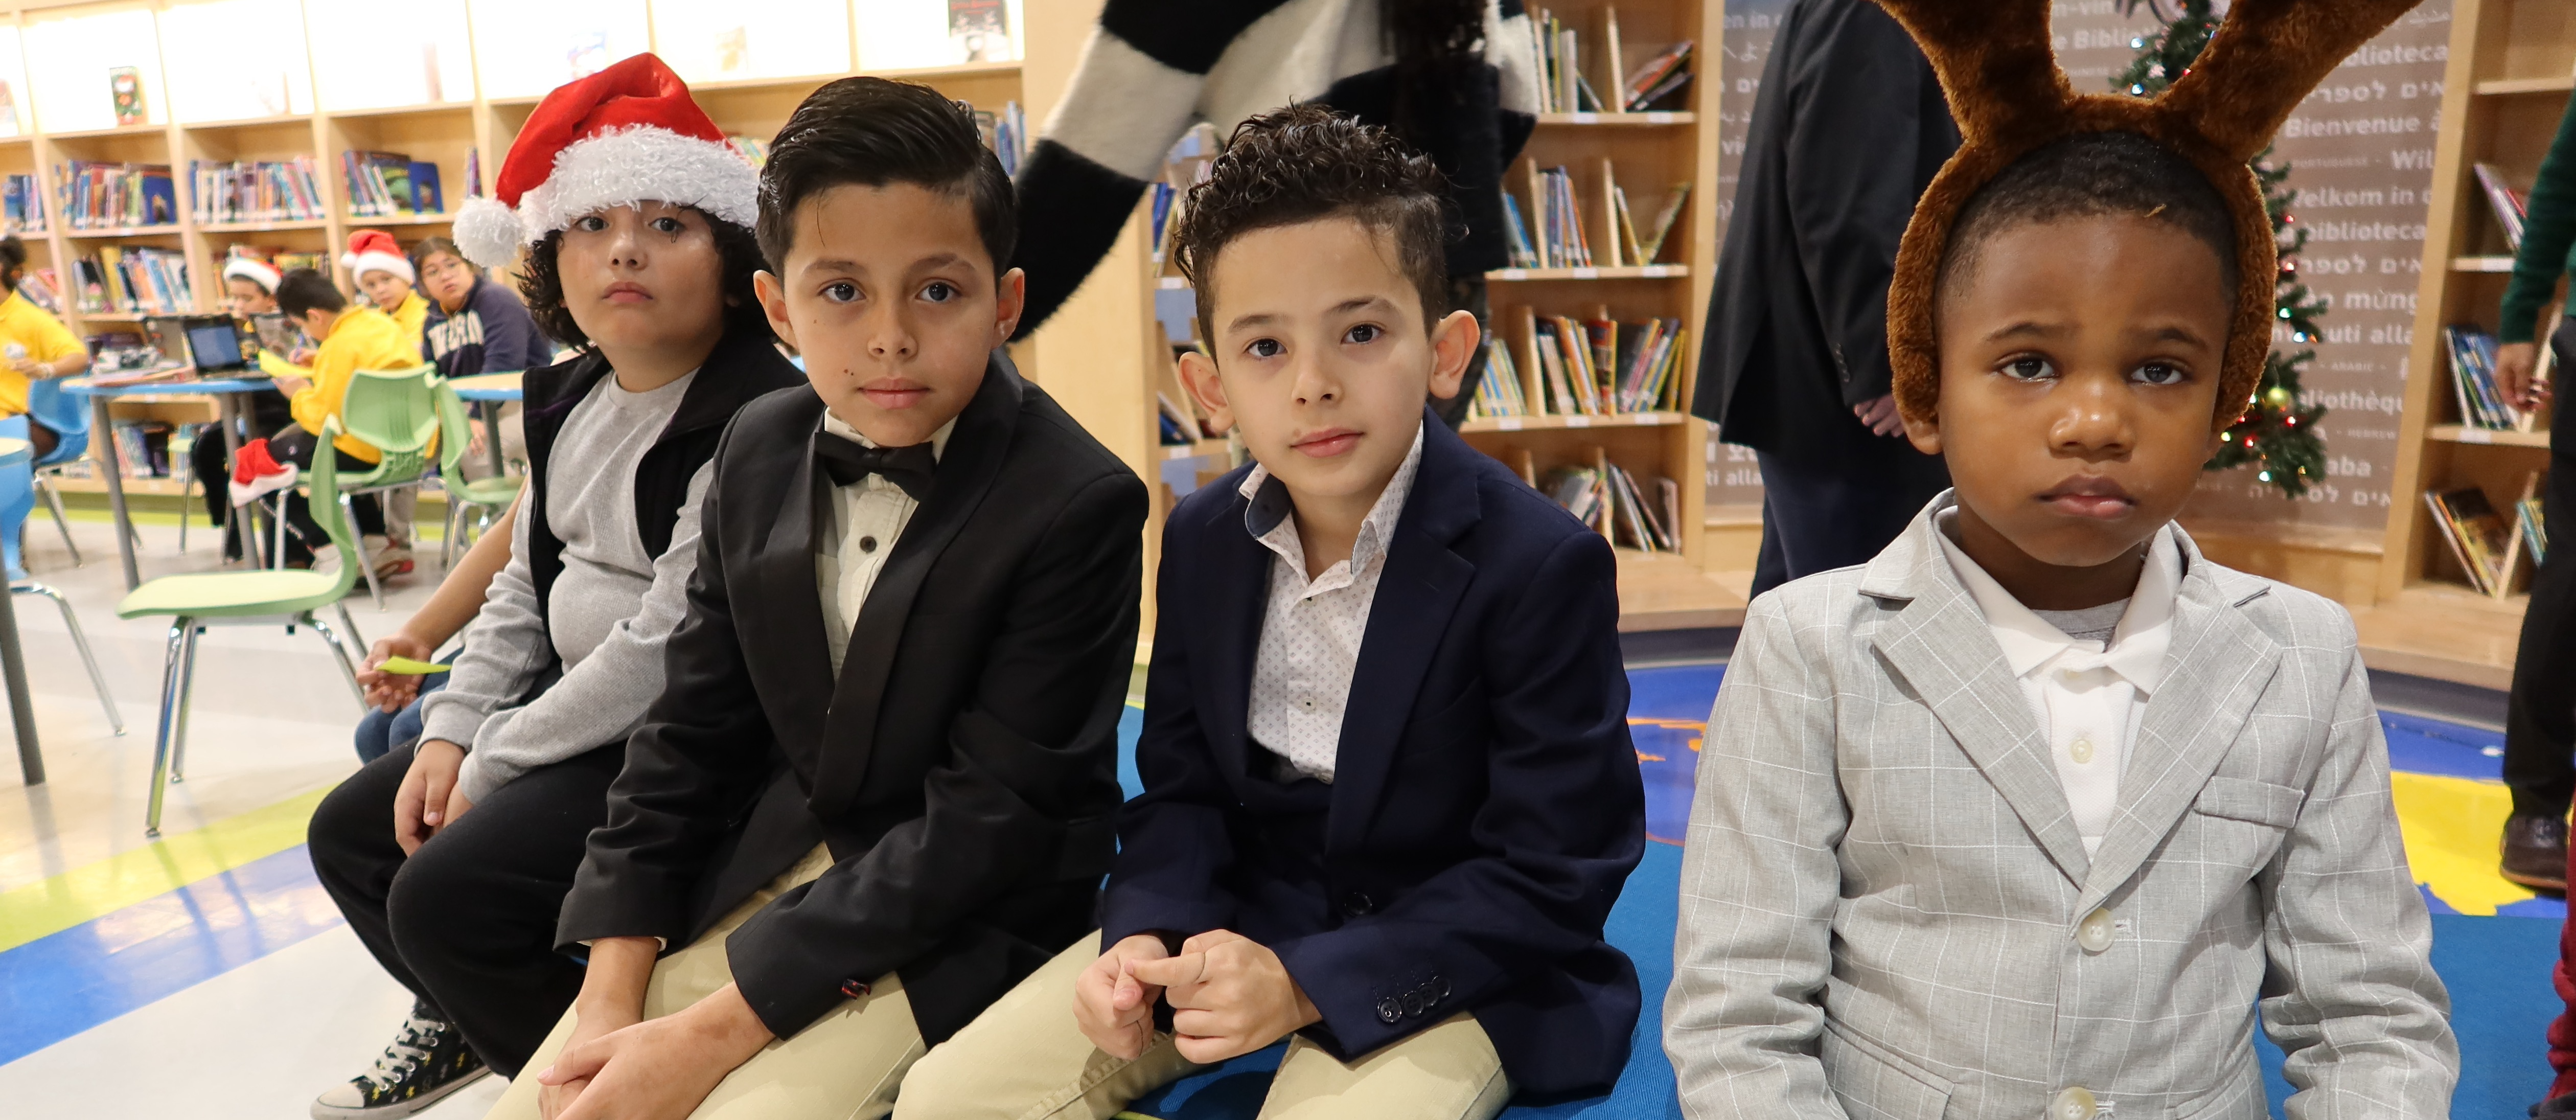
<point>374,250</point>
<point>627,134</point>
<point>253,269</point>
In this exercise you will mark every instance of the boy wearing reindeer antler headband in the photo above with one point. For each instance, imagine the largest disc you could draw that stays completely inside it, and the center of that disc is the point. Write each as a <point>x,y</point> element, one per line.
<point>2025,816</point>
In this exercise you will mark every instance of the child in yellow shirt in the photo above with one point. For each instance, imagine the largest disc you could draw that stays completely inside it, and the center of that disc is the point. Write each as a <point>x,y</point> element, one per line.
<point>349,339</point>
<point>33,346</point>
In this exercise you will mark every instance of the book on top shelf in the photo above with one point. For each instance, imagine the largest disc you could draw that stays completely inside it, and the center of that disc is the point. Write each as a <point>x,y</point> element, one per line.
<point>125,91</point>
<point>258,191</point>
<point>117,195</point>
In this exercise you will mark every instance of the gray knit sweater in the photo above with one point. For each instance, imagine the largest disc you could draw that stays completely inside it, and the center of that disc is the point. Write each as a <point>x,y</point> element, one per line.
<point>609,612</point>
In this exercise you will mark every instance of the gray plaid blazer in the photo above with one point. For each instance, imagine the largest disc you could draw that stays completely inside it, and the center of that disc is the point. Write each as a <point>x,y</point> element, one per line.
<point>1884,896</point>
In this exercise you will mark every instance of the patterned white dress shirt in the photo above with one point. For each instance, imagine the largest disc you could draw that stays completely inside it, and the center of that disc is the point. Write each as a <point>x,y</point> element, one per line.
<point>1311,629</point>
<point>2088,695</point>
<point>865,518</point>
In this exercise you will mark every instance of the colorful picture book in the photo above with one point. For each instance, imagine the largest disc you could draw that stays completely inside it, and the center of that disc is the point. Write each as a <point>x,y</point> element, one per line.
<point>2535,529</point>
<point>258,191</point>
<point>1607,498</point>
<point>22,204</point>
<point>390,184</point>
<point>2473,382</point>
<point>1659,83</point>
<point>134,281</point>
<point>2479,538</point>
<point>1592,367</point>
<point>1557,231</point>
<point>117,195</point>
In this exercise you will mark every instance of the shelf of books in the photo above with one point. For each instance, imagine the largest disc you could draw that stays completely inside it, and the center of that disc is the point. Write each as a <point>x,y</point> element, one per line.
<point>2461,549</point>
<point>160,165</point>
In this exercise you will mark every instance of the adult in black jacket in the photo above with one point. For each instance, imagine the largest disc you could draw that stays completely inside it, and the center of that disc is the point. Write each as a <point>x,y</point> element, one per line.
<point>1848,129</point>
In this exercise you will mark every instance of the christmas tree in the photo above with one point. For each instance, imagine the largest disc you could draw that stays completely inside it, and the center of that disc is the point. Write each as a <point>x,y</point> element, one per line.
<point>2278,433</point>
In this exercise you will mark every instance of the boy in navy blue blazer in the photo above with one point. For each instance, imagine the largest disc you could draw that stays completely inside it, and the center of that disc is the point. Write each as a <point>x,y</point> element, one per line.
<point>1389,791</point>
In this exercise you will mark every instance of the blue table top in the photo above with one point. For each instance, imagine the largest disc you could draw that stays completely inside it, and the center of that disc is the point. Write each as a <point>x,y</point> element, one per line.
<point>503,386</point>
<point>81,387</point>
<point>15,451</point>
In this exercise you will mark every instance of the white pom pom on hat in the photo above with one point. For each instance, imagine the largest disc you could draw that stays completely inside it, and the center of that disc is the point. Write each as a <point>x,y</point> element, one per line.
<point>627,134</point>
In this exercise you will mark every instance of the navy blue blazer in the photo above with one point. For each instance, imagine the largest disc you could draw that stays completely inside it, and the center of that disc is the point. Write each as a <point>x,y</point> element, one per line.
<point>1485,808</point>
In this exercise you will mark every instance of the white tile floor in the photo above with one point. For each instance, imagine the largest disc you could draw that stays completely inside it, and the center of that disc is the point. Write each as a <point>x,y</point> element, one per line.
<point>271,717</point>
<point>271,720</point>
<point>318,1011</point>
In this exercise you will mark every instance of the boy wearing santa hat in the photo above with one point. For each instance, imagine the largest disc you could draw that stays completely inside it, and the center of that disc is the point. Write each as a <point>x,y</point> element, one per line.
<point>250,288</point>
<point>451,856</point>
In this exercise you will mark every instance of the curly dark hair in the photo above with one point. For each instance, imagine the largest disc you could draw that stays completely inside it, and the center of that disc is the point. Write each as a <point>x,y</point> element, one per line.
<point>1304,163</point>
<point>542,286</point>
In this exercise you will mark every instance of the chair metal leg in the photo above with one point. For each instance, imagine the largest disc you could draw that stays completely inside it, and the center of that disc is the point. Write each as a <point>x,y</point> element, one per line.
<point>187,688</point>
<point>80,642</point>
<point>165,725</point>
<point>356,639</point>
<point>63,525</point>
<point>447,540</point>
<point>340,651</point>
<point>187,485</point>
<point>366,563</point>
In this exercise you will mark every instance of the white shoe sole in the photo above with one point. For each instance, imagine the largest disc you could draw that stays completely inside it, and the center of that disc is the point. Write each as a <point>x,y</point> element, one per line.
<point>394,1109</point>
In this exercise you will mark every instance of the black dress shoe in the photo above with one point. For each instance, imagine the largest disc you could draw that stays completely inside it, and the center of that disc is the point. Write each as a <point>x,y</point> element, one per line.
<point>2535,852</point>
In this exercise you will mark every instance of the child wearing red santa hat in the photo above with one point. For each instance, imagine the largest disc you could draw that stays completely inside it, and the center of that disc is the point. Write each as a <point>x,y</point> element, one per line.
<point>631,222</point>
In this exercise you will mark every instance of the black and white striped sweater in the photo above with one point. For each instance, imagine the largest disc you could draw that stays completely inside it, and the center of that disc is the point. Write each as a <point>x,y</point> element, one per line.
<point>1153,68</point>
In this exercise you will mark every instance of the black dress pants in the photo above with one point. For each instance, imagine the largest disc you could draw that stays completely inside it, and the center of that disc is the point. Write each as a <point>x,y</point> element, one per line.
<point>1816,517</point>
<point>468,922</point>
<point>297,446</point>
<point>2540,716</point>
<point>264,412</point>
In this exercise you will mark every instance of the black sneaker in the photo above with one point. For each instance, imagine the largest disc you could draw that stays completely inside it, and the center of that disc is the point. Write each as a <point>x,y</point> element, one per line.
<point>2535,852</point>
<point>427,1061</point>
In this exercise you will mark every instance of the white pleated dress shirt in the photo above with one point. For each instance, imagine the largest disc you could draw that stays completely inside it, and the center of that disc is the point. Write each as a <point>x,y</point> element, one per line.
<point>1311,629</point>
<point>2088,694</point>
<point>866,518</point>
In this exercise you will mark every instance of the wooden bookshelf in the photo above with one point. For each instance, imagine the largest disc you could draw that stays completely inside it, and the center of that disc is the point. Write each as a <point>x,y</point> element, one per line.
<point>2506,83</point>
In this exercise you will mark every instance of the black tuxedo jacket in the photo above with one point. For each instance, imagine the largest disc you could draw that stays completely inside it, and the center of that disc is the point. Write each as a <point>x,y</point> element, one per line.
<point>1485,808</point>
<point>963,768</point>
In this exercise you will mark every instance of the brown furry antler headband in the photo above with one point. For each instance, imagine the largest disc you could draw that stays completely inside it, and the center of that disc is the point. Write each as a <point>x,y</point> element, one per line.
<point>2004,86</point>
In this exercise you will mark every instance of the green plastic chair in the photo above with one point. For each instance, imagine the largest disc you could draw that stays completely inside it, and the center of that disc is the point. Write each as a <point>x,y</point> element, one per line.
<point>395,411</point>
<point>487,497</point>
<point>259,597</point>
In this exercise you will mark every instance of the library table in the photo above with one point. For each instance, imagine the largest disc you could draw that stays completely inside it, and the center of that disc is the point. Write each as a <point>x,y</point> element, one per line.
<point>495,388</point>
<point>225,390</point>
<point>13,661</point>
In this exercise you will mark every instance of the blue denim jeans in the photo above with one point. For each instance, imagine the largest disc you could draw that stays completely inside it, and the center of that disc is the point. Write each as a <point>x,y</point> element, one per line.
<point>381,731</point>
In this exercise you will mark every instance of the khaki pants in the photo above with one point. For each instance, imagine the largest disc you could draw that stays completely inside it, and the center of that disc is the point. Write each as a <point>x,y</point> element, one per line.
<point>844,1066</point>
<point>1024,1059</point>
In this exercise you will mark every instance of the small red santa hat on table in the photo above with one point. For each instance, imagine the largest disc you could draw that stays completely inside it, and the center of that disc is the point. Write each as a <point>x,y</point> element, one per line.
<point>627,134</point>
<point>374,250</point>
<point>253,269</point>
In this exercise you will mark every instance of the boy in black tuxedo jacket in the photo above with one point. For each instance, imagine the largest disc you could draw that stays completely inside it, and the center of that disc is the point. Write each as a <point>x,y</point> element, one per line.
<point>1389,791</point>
<point>875,793</point>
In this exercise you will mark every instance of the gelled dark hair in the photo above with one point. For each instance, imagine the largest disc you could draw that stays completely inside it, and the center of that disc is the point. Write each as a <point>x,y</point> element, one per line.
<point>873,132</point>
<point>305,290</point>
<point>1305,163</point>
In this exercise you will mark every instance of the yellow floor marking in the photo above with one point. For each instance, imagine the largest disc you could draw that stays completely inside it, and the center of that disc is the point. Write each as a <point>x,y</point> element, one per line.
<point>2451,825</point>
<point>121,880</point>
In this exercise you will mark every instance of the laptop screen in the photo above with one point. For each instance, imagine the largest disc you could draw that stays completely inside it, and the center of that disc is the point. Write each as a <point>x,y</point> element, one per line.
<point>216,346</point>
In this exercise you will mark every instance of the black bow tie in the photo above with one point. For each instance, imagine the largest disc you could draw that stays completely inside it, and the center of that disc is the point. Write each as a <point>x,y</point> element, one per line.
<point>848,461</point>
